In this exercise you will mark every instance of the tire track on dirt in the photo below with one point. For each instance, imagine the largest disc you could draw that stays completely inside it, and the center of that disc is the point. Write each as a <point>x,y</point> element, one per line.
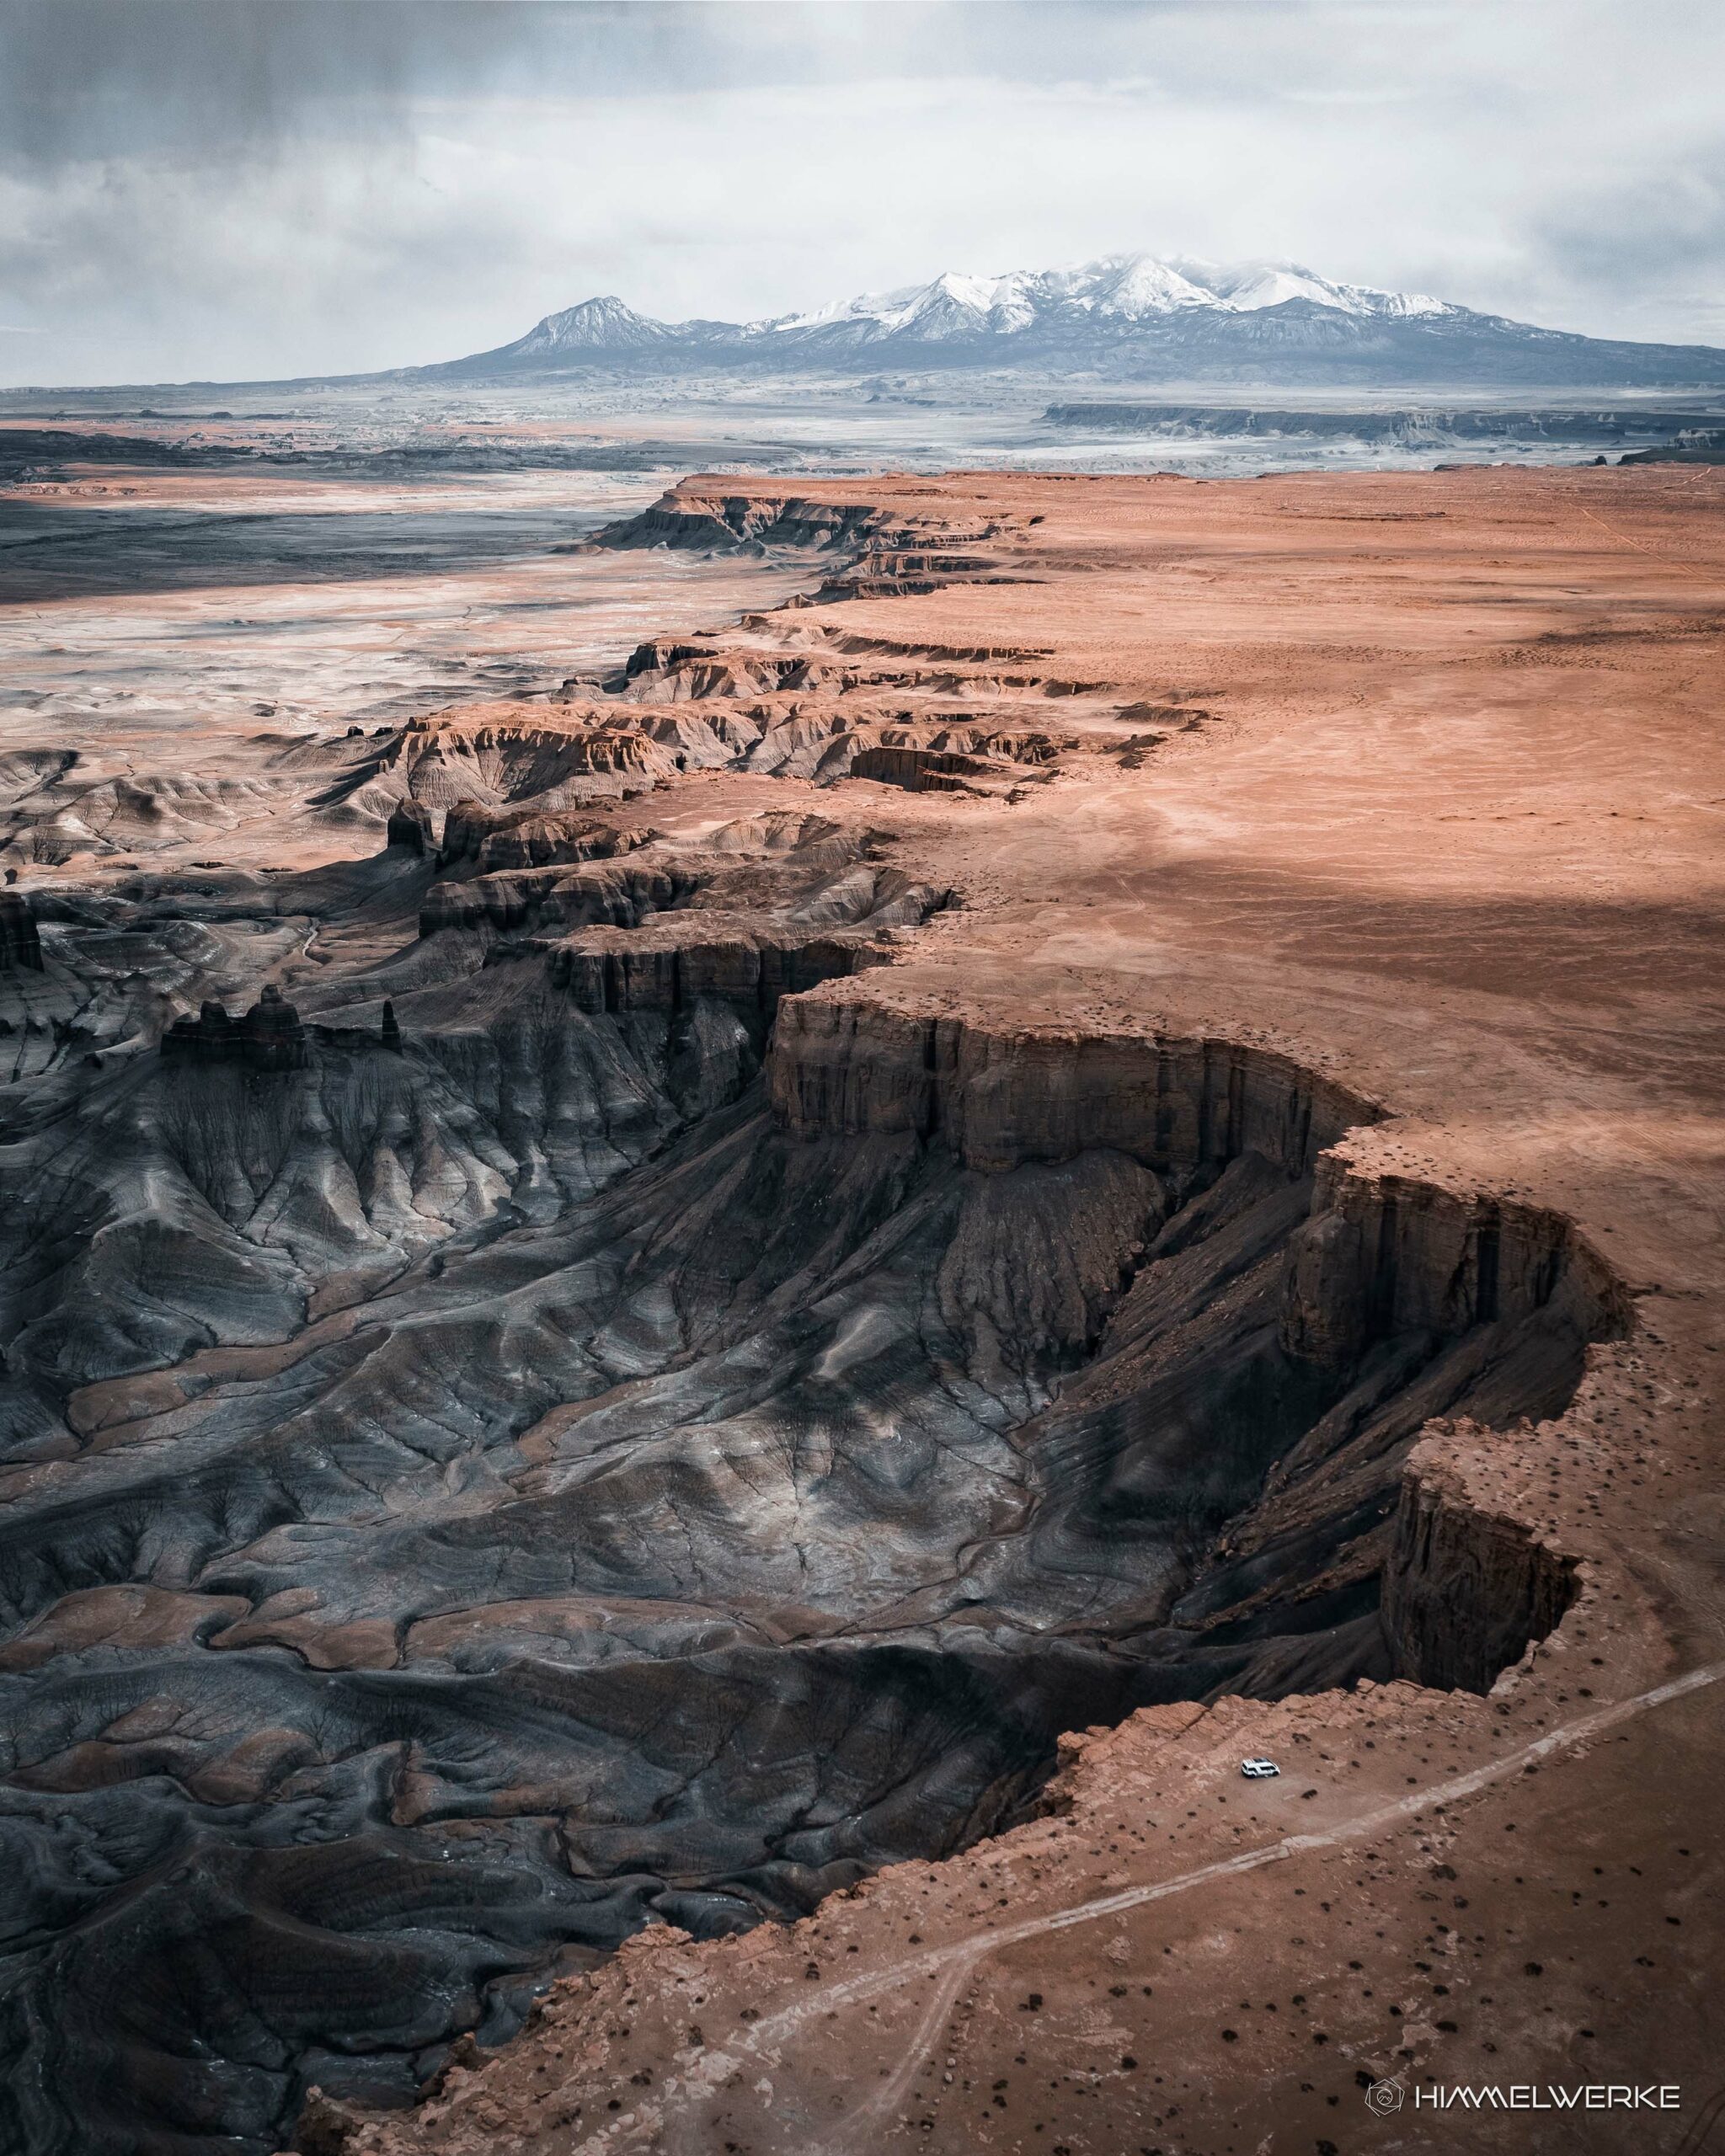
<point>859,2130</point>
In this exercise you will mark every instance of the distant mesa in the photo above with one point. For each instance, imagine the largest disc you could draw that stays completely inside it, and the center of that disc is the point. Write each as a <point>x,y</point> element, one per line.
<point>1133,317</point>
<point>269,1038</point>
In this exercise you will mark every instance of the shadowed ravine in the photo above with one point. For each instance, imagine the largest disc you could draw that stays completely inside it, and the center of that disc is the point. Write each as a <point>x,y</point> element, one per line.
<point>753,1520</point>
<point>647,1424</point>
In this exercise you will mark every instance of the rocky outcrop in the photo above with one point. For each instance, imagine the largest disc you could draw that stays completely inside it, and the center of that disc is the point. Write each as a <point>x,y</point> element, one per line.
<point>653,654</point>
<point>269,1038</point>
<point>888,572</point>
<point>606,893</point>
<point>751,971</point>
<point>20,946</point>
<point>1466,1588</point>
<point>695,677</point>
<point>700,513</point>
<point>1386,1253</point>
<point>923,770</point>
<point>998,1097</point>
<point>530,838</point>
<point>859,641</point>
<point>428,770</point>
<point>411,826</point>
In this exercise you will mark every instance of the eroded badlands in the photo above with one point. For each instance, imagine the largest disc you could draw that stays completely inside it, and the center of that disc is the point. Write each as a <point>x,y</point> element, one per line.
<point>1107,1122</point>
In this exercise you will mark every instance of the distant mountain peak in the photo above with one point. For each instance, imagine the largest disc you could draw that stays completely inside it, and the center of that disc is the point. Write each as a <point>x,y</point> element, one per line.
<point>1131,316</point>
<point>604,323</point>
<point>1119,287</point>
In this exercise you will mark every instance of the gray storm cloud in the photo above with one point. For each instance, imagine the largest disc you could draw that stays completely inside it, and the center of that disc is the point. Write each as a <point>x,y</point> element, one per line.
<point>217,188</point>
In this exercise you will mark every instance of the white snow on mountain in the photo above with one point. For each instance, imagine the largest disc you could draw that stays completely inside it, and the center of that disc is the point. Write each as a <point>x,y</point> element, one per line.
<point>1244,286</point>
<point>599,322</point>
<point>1133,285</point>
<point>1120,287</point>
<point>1169,316</point>
<point>1112,292</point>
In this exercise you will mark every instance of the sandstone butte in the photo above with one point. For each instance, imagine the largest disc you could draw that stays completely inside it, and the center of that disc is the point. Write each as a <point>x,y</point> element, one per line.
<point>1410,784</point>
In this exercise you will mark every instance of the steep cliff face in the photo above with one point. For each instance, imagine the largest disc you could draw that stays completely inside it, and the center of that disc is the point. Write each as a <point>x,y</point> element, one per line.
<point>692,515</point>
<point>1000,1098</point>
<point>1383,1252</point>
<point>751,971</point>
<point>412,827</point>
<point>526,838</point>
<point>20,943</point>
<point>923,770</point>
<point>1467,1586</point>
<point>269,1038</point>
<point>619,895</point>
<point>1253,1489</point>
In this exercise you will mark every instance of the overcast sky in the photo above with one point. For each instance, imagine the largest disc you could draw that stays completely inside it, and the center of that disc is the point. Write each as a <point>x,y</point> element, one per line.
<point>230,189</point>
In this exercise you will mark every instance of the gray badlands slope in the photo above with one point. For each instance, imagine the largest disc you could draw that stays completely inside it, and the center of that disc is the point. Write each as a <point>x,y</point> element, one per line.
<point>598,1407</point>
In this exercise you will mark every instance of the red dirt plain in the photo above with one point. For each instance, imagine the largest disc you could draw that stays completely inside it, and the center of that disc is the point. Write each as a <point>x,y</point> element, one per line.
<point>1448,831</point>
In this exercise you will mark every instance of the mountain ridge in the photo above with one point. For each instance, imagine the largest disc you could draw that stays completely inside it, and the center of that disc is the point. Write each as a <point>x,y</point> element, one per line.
<point>1127,316</point>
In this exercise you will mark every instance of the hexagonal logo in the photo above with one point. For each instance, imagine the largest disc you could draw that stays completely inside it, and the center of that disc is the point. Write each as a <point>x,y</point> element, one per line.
<point>1385,2098</point>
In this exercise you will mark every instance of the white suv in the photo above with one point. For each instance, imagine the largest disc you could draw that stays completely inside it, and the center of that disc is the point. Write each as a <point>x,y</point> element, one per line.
<point>1258,1770</point>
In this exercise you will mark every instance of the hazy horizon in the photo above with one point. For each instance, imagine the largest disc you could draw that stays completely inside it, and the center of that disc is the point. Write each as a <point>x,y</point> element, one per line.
<point>220,190</point>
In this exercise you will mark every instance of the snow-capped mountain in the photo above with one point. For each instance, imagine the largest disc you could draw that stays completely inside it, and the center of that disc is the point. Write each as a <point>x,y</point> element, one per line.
<point>1125,316</point>
<point>1118,289</point>
<point>596,325</point>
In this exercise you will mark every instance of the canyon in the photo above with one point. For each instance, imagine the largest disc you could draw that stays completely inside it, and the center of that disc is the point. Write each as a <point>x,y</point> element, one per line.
<point>693,1343</point>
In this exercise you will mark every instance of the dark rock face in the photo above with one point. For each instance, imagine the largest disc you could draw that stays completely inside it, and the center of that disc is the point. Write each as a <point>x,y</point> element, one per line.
<point>269,1038</point>
<point>522,839</point>
<point>20,943</point>
<point>745,521</point>
<point>608,892</point>
<point>1464,1592</point>
<point>410,826</point>
<point>920,770</point>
